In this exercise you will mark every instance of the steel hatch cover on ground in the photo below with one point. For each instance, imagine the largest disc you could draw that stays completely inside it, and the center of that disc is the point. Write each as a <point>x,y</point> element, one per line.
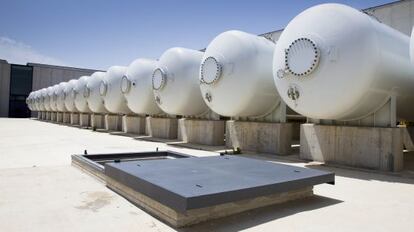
<point>184,184</point>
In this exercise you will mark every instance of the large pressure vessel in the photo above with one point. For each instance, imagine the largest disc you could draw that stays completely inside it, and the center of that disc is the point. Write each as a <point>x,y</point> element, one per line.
<point>69,95</point>
<point>110,90</point>
<point>53,98</point>
<point>60,94</point>
<point>93,96</point>
<point>335,62</point>
<point>175,82</point>
<point>42,94</point>
<point>36,100</point>
<point>29,101</point>
<point>46,99</point>
<point>236,75</point>
<point>412,46</point>
<point>81,94</point>
<point>136,86</point>
<point>39,100</point>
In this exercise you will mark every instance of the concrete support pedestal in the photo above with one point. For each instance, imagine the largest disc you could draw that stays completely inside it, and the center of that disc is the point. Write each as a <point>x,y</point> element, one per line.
<point>43,115</point>
<point>48,116</point>
<point>165,128</point>
<point>113,122</point>
<point>265,137</point>
<point>97,121</point>
<point>206,132</point>
<point>39,115</point>
<point>59,117</point>
<point>66,118</point>
<point>74,118</point>
<point>366,147</point>
<point>133,124</point>
<point>84,120</point>
<point>53,116</point>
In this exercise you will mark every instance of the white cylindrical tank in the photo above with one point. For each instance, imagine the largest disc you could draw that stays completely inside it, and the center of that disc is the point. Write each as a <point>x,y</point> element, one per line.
<point>60,94</point>
<point>412,46</point>
<point>175,82</point>
<point>335,62</point>
<point>94,98</point>
<point>236,75</point>
<point>110,90</point>
<point>46,98</point>
<point>136,86</point>
<point>69,95</point>
<point>42,94</point>
<point>36,100</point>
<point>52,98</point>
<point>81,94</point>
<point>29,101</point>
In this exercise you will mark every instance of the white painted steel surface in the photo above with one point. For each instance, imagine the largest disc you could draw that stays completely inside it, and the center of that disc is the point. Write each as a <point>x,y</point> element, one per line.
<point>60,94</point>
<point>136,86</point>
<point>236,75</point>
<point>110,90</point>
<point>36,100</point>
<point>46,98</point>
<point>81,93</point>
<point>94,98</point>
<point>176,84</point>
<point>335,62</point>
<point>69,96</point>
<point>29,101</point>
<point>52,98</point>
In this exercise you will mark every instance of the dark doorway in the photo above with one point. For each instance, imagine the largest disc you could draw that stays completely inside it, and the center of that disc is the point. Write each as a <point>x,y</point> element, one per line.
<point>21,78</point>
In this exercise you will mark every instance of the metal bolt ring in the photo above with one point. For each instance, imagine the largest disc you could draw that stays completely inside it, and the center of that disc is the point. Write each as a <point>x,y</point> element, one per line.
<point>315,60</point>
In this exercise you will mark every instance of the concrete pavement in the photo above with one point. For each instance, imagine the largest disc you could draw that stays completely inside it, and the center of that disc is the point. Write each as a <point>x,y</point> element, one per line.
<point>41,191</point>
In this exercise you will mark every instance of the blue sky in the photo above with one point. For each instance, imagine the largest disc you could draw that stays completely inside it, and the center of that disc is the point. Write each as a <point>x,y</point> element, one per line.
<point>98,34</point>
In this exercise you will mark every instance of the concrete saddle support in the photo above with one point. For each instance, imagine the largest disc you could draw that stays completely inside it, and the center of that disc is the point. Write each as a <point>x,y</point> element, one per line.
<point>113,122</point>
<point>201,131</point>
<point>74,118</point>
<point>161,127</point>
<point>133,124</point>
<point>97,121</point>
<point>268,134</point>
<point>373,142</point>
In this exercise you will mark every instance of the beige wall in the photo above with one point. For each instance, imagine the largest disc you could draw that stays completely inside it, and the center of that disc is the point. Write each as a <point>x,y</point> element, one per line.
<point>398,15</point>
<point>4,88</point>
<point>48,75</point>
<point>45,75</point>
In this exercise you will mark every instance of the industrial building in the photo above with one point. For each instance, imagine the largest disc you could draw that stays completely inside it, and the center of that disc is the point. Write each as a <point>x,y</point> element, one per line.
<point>17,81</point>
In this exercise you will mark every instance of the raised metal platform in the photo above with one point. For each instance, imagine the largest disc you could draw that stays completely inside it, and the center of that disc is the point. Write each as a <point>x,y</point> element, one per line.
<point>194,183</point>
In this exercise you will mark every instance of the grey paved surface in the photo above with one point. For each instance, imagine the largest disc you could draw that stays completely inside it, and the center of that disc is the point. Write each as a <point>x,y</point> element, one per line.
<point>41,191</point>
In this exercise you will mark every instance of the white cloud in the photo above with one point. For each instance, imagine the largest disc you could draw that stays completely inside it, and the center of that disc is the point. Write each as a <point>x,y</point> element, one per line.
<point>19,53</point>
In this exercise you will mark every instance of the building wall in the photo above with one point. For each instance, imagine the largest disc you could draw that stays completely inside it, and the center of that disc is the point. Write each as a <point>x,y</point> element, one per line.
<point>48,75</point>
<point>43,76</point>
<point>4,88</point>
<point>398,15</point>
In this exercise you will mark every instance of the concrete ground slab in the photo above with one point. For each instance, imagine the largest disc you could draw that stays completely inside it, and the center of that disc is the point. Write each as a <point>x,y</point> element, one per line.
<point>54,196</point>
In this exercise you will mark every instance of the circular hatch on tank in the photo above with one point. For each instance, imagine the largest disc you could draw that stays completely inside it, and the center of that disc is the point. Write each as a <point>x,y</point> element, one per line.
<point>302,57</point>
<point>210,70</point>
